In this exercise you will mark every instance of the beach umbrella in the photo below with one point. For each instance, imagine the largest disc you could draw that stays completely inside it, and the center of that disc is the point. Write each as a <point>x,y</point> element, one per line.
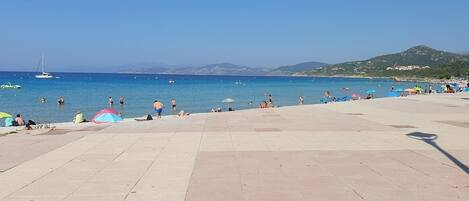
<point>370,91</point>
<point>4,115</point>
<point>106,116</point>
<point>228,101</point>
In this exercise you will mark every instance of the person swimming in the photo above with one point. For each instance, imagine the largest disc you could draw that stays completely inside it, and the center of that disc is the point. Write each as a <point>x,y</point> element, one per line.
<point>43,100</point>
<point>122,100</point>
<point>60,100</point>
<point>110,101</point>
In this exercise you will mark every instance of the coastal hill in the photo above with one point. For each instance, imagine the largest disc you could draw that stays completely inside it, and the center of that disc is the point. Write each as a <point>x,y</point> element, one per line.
<point>297,68</point>
<point>414,61</point>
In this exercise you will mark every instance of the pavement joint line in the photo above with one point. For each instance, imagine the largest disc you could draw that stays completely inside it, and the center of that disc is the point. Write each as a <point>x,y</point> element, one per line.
<point>149,166</point>
<point>48,173</point>
<point>195,160</point>
<point>341,180</point>
<point>97,172</point>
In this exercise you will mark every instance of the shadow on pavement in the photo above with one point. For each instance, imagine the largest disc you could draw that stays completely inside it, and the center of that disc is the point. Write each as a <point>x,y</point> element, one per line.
<point>430,139</point>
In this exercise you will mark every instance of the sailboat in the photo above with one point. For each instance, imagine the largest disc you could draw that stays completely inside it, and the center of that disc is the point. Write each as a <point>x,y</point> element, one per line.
<point>44,75</point>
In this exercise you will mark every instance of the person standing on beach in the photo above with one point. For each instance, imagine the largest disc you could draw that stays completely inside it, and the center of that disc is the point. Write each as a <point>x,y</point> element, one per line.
<point>110,101</point>
<point>158,107</point>
<point>270,98</point>
<point>301,101</point>
<point>173,105</point>
<point>121,100</point>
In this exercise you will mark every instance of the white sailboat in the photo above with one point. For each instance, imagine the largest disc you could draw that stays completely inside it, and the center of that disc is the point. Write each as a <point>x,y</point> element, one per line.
<point>44,75</point>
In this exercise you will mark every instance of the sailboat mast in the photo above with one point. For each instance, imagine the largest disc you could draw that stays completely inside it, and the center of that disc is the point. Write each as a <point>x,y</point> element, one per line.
<point>42,63</point>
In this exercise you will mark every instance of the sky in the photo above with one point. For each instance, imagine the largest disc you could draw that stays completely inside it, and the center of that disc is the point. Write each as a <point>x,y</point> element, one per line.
<point>258,33</point>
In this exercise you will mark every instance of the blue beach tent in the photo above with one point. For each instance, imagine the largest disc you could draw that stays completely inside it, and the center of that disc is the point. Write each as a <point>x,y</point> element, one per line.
<point>107,118</point>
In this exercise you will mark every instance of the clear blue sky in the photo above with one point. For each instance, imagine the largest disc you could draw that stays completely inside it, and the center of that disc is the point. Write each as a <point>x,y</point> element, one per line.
<point>256,33</point>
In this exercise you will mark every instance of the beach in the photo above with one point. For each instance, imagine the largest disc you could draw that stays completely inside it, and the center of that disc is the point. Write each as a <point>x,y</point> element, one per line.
<point>406,148</point>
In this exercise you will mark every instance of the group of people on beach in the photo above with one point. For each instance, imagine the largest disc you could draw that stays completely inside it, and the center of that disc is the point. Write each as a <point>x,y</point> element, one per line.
<point>158,106</point>
<point>267,103</point>
<point>19,121</point>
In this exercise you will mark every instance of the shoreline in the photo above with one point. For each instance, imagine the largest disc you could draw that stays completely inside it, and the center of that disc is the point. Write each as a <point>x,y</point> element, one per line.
<point>4,131</point>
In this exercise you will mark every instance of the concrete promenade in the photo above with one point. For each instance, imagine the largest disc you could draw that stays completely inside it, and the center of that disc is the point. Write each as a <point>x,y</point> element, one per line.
<point>412,148</point>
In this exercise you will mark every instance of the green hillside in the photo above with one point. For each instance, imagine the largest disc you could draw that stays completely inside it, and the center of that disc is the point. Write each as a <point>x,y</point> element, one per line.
<point>440,64</point>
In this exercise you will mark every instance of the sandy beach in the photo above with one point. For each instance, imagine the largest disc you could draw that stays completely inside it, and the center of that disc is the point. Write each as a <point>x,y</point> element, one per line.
<point>407,148</point>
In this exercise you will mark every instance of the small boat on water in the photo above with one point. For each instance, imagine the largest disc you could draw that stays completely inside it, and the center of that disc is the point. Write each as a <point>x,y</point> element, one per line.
<point>10,86</point>
<point>43,75</point>
<point>171,81</point>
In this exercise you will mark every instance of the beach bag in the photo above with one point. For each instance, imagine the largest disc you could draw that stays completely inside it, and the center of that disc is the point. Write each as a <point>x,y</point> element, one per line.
<point>149,117</point>
<point>31,122</point>
<point>14,123</point>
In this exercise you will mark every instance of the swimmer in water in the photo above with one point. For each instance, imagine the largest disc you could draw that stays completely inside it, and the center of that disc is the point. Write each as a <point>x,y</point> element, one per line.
<point>122,100</point>
<point>110,101</point>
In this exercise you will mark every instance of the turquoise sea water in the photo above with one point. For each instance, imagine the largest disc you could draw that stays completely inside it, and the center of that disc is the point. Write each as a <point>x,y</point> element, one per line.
<point>89,92</point>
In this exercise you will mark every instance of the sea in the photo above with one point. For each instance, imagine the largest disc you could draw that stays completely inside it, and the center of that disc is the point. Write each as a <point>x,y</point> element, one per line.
<point>89,92</point>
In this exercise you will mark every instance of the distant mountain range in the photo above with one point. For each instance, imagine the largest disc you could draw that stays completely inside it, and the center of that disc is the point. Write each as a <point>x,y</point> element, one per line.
<point>297,68</point>
<point>421,56</point>
<point>212,69</point>
<point>225,69</point>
